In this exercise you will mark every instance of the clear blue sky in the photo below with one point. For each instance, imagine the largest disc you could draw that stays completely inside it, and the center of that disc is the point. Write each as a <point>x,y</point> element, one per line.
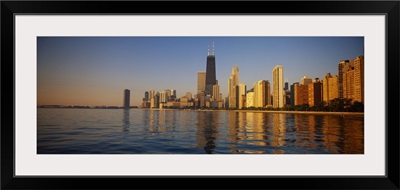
<point>96,70</point>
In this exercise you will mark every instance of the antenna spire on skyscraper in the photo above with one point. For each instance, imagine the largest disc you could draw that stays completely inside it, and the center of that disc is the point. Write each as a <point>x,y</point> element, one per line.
<point>208,49</point>
<point>213,50</point>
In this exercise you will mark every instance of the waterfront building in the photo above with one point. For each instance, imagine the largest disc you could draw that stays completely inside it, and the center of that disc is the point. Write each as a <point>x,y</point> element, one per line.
<point>301,94</point>
<point>330,88</point>
<point>146,101</point>
<point>188,95</point>
<point>288,97</point>
<point>184,101</point>
<point>216,93</point>
<point>293,98</point>
<point>277,80</point>
<point>314,92</point>
<point>152,103</point>
<point>151,94</point>
<point>163,96</point>
<point>210,72</point>
<point>359,78</point>
<point>173,95</point>
<point>201,81</point>
<point>127,100</point>
<point>305,80</point>
<point>343,67</point>
<point>202,99</point>
<point>232,83</point>
<point>146,96</point>
<point>241,94</point>
<point>348,84</point>
<point>262,93</point>
<point>250,99</point>
<point>157,100</point>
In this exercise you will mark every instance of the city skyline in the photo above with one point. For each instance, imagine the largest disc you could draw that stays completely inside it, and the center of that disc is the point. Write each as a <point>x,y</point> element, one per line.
<point>94,70</point>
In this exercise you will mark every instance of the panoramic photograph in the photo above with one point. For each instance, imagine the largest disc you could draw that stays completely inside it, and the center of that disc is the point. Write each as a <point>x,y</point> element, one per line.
<point>200,95</point>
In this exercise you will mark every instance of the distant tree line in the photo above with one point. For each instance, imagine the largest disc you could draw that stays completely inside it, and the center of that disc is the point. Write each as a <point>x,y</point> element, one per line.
<point>335,105</point>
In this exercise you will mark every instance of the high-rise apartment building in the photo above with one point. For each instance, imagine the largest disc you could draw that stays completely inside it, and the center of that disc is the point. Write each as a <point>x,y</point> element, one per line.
<point>216,93</point>
<point>173,95</point>
<point>351,79</point>
<point>330,88</point>
<point>232,83</point>
<point>211,78</point>
<point>359,78</point>
<point>343,67</point>
<point>277,80</point>
<point>250,99</point>
<point>151,94</point>
<point>292,93</point>
<point>262,93</point>
<point>201,81</point>
<point>314,92</point>
<point>241,94</point>
<point>300,94</point>
<point>163,96</point>
<point>127,99</point>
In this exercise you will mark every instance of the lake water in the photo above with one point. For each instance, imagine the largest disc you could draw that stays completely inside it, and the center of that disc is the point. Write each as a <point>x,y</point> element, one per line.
<point>139,131</point>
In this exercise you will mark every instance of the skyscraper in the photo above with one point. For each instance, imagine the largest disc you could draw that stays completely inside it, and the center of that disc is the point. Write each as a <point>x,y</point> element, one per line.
<point>314,92</point>
<point>292,93</point>
<point>359,79</point>
<point>277,80</point>
<point>232,83</point>
<point>210,72</point>
<point>250,99</point>
<point>146,96</point>
<point>127,100</point>
<point>330,88</point>
<point>241,94</point>
<point>343,67</point>
<point>286,86</point>
<point>300,94</point>
<point>201,81</point>
<point>261,93</point>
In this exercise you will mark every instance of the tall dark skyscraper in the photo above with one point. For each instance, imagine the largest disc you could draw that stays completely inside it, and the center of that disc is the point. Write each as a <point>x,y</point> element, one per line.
<point>127,95</point>
<point>146,96</point>
<point>211,78</point>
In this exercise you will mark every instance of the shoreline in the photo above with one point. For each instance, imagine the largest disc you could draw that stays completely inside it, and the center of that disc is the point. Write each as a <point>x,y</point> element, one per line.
<point>250,111</point>
<point>267,111</point>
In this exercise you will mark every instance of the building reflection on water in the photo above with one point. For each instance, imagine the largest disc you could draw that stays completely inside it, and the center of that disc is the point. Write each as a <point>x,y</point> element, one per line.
<point>216,132</point>
<point>207,130</point>
<point>125,121</point>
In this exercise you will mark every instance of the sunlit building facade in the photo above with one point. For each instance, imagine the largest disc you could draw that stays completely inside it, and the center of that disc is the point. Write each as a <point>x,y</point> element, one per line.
<point>232,83</point>
<point>201,81</point>
<point>301,94</point>
<point>241,94</point>
<point>262,93</point>
<point>330,88</point>
<point>359,79</point>
<point>250,99</point>
<point>277,80</point>
<point>315,92</point>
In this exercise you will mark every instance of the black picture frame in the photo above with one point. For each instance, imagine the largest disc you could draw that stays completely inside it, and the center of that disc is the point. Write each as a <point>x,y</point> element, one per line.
<point>10,8</point>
